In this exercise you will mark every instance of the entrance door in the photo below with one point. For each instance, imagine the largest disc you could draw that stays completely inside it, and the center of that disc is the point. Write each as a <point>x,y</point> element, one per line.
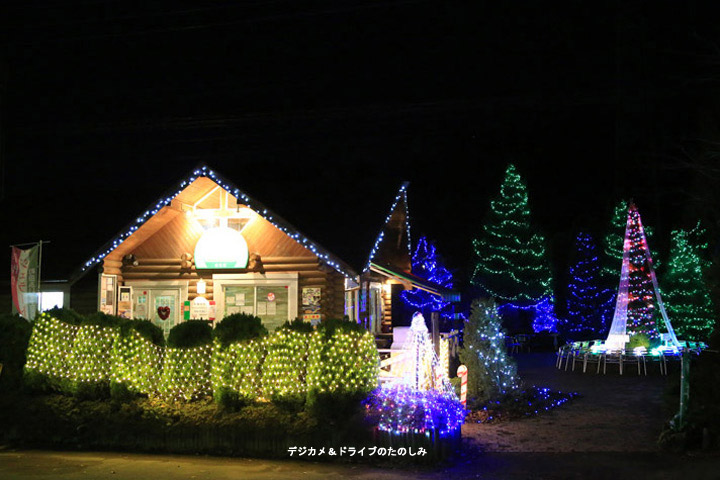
<point>159,305</point>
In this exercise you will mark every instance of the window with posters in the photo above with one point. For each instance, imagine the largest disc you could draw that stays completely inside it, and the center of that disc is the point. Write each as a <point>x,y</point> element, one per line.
<point>272,297</point>
<point>108,287</point>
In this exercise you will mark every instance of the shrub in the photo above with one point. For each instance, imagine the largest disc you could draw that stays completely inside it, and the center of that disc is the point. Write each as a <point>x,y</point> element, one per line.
<point>639,340</point>
<point>101,319</point>
<point>48,353</point>
<point>90,360</point>
<point>146,329</point>
<point>238,327</point>
<point>191,333</point>
<point>342,362</point>
<point>285,368</point>
<point>15,334</point>
<point>136,361</point>
<point>236,372</point>
<point>186,372</point>
<point>66,315</point>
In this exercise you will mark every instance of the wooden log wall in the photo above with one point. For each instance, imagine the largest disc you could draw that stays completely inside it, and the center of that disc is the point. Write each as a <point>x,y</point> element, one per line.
<point>310,274</point>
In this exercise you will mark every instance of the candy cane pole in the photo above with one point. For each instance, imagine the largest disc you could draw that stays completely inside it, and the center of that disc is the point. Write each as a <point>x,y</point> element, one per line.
<point>462,373</point>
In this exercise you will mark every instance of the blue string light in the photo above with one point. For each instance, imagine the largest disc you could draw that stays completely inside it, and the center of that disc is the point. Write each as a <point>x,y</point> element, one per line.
<point>257,207</point>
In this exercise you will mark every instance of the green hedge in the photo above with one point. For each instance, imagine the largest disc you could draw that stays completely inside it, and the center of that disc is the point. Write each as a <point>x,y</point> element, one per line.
<point>106,355</point>
<point>342,358</point>
<point>284,374</point>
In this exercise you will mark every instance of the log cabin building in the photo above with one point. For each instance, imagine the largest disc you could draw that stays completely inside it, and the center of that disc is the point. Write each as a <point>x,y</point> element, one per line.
<point>206,250</point>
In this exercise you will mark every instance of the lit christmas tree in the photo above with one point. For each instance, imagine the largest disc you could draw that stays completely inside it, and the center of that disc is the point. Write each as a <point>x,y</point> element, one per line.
<point>639,306</point>
<point>512,266</point>
<point>425,264</point>
<point>687,297</point>
<point>613,250</point>
<point>589,305</point>
<point>491,372</point>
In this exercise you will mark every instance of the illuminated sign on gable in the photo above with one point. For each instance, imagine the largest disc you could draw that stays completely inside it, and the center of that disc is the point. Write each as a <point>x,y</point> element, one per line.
<point>221,247</point>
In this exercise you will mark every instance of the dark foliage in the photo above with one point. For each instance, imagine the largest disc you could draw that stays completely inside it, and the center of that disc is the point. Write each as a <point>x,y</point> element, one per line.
<point>148,330</point>
<point>702,428</point>
<point>102,320</point>
<point>238,327</point>
<point>191,333</point>
<point>14,336</point>
<point>331,325</point>
<point>298,325</point>
<point>66,315</point>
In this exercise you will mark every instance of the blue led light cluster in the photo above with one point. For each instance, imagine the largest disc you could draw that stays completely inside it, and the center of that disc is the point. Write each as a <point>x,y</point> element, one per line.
<point>403,410</point>
<point>425,265</point>
<point>260,209</point>
<point>589,305</point>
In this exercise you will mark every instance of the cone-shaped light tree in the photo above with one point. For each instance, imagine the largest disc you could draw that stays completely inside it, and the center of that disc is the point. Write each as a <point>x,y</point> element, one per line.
<point>589,305</point>
<point>512,266</point>
<point>641,300</point>
<point>686,295</point>
<point>611,261</point>
<point>427,265</point>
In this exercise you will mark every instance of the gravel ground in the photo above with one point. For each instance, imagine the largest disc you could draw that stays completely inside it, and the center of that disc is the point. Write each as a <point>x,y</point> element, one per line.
<point>613,414</point>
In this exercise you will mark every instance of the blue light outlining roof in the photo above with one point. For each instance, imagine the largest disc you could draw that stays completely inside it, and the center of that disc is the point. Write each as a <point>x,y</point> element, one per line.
<point>401,195</point>
<point>204,171</point>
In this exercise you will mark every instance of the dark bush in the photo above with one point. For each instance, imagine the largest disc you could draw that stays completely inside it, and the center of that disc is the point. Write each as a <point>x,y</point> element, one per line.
<point>148,330</point>
<point>120,392</point>
<point>14,336</point>
<point>238,327</point>
<point>298,325</point>
<point>66,315</point>
<point>191,333</point>
<point>103,320</point>
<point>331,325</point>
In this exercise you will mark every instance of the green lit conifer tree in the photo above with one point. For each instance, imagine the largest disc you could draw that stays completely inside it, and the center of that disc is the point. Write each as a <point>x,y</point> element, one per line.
<point>512,266</point>
<point>686,295</point>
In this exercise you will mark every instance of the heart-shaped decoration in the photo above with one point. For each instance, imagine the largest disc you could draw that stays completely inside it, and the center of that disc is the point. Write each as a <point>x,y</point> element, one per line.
<point>163,312</point>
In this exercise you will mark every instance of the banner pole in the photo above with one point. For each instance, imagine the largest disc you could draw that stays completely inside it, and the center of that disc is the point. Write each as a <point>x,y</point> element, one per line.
<point>40,290</point>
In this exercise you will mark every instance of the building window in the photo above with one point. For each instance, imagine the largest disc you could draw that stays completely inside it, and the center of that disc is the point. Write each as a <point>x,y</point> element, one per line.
<point>49,300</point>
<point>272,297</point>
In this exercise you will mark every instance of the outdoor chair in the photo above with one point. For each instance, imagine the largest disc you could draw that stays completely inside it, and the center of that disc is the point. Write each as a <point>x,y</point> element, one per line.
<point>613,357</point>
<point>571,352</point>
<point>582,350</point>
<point>629,358</point>
<point>592,357</point>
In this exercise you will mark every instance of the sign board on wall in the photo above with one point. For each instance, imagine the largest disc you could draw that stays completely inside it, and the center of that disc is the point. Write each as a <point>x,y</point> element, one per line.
<point>108,284</point>
<point>221,248</point>
<point>125,302</point>
<point>311,304</point>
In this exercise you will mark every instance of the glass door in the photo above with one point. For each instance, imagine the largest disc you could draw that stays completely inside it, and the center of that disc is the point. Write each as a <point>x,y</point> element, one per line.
<point>159,305</point>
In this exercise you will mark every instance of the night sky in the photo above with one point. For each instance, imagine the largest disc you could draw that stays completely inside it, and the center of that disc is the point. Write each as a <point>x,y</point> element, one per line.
<point>321,109</point>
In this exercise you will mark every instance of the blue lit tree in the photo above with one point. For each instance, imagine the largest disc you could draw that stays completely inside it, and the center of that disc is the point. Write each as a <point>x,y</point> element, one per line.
<point>426,265</point>
<point>589,305</point>
<point>512,265</point>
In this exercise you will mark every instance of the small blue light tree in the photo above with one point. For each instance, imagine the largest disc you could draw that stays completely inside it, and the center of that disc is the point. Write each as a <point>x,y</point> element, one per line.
<point>589,305</point>
<point>425,264</point>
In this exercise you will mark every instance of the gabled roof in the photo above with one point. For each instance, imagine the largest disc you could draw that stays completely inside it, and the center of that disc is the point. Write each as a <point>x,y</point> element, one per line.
<point>158,214</point>
<point>417,282</point>
<point>392,245</point>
